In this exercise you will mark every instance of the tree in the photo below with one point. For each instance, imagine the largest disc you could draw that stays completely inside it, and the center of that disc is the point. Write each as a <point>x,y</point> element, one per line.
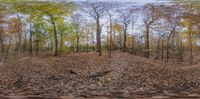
<point>110,11</point>
<point>77,21</point>
<point>150,16</point>
<point>19,33</point>
<point>172,16</point>
<point>96,10</point>
<point>49,11</point>
<point>16,28</point>
<point>62,29</point>
<point>125,20</point>
<point>30,39</point>
<point>39,29</point>
<point>119,29</point>
<point>1,33</point>
<point>134,18</point>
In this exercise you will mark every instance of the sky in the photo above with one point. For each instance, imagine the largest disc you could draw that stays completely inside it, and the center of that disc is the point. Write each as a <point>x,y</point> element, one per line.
<point>138,1</point>
<point>128,1</point>
<point>137,31</point>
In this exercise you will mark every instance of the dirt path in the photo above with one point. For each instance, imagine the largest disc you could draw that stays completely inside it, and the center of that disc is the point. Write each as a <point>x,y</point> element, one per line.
<point>118,65</point>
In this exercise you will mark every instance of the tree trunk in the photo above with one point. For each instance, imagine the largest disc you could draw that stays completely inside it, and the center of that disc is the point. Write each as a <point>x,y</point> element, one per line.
<point>168,40</point>
<point>30,42</point>
<point>24,44</point>
<point>62,47</point>
<point>1,42</point>
<point>87,40</point>
<point>77,43</point>
<point>191,49</point>
<point>7,51</point>
<point>133,48</point>
<point>19,43</point>
<point>147,42</point>
<point>37,47</point>
<point>162,55</point>
<point>98,36</point>
<point>120,40</point>
<point>110,47</point>
<point>56,39</point>
<point>125,33</point>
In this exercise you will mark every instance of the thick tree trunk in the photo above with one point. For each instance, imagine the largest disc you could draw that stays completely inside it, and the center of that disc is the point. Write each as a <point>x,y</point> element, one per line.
<point>56,39</point>
<point>24,44</point>
<point>147,43</point>
<point>98,30</point>
<point>62,47</point>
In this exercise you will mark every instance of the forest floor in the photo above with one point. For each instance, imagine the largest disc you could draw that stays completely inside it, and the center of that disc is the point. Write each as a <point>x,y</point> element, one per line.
<point>82,75</point>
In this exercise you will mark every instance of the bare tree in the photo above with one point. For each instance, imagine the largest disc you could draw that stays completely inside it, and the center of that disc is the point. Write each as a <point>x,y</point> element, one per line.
<point>110,9</point>
<point>172,16</point>
<point>96,10</point>
<point>125,20</point>
<point>150,16</point>
<point>134,18</point>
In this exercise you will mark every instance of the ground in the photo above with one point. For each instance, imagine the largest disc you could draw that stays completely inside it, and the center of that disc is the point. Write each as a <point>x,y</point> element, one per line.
<point>90,76</point>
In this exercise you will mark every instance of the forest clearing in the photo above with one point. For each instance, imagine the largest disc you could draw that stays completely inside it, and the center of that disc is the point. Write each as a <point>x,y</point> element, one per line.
<point>99,49</point>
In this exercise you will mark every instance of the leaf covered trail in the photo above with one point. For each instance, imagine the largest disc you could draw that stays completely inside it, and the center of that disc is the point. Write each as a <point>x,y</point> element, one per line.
<point>90,76</point>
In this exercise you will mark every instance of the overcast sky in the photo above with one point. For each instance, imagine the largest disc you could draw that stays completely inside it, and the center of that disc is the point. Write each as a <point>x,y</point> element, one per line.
<point>138,1</point>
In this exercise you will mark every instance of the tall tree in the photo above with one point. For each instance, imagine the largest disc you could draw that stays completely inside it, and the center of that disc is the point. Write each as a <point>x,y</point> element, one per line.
<point>150,16</point>
<point>77,24</point>
<point>125,20</point>
<point>110,9</point>
<point>1,33</point>
<point>96,10</point>
<point>49,11</point>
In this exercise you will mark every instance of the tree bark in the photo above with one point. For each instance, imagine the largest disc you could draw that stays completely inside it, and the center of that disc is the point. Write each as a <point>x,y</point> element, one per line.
<point>162,55</point>
<point>61,42</point>
<point>111,30</point>
<point>19,43</point>
<point>168,40</point>
<point>7,51</point>
<point>1,42</point>
<point>191,49</point>
<point>77,42</point>
<point>125,36</point>
<point>30,42</point>
<point>56,39</point>
<point>147,43</point>
<point>98,30</point>
<point>37,47</point>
